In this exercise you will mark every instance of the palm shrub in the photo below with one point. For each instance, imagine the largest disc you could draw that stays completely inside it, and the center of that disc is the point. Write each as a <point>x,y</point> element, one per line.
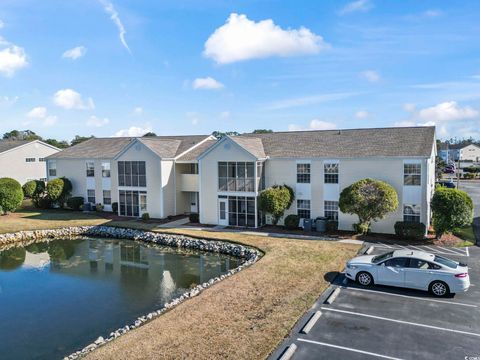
<point>369,199</point>
<point>451,208</point>
<point>11,195</point>
<point>275,200</point>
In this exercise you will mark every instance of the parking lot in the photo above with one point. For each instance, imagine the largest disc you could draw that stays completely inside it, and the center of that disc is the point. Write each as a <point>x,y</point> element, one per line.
<point>391,323</point>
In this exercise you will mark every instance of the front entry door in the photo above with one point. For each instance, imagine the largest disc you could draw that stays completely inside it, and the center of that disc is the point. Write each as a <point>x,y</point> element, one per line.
<point>143,203</point>
<point>223,212</point>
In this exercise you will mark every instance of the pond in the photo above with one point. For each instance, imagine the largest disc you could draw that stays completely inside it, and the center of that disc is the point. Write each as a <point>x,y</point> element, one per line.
<point>57,297</point>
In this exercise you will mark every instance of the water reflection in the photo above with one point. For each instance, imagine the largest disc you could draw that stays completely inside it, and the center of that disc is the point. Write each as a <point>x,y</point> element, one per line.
<point>75,290</point>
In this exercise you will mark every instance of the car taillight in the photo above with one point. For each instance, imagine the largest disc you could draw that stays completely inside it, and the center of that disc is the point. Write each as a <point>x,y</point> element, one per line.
<point>461,275</point>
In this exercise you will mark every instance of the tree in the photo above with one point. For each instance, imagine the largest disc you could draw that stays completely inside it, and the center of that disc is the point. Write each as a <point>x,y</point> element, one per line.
<point>149,134</point>
<point>451,208</point>
<point>59,144</point>
<point>439,167</point>
<point>370,200</point>
<point>21,135</point>
<point>262,131</point>
<point>275,200</point>
<point>11,195</point>
<point>219,134</point>
<point>79,139</point>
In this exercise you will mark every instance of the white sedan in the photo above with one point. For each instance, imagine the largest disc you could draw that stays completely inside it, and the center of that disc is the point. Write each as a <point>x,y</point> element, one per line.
<point>410,269</point>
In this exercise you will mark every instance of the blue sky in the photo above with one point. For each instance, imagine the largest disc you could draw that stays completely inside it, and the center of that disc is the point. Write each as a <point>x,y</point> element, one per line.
<point>112,67</point>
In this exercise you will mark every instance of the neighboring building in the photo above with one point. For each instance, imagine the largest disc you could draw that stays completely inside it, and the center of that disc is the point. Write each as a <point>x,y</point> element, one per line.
<point>143,175</point>
<point>221,179</point>
<point>24,160</point>
<point>317,165</point>
<point>469,153</point>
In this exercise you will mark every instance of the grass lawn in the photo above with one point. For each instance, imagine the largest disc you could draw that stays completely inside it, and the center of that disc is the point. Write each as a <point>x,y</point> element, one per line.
<point>243,317</point>
<point>466,234</point>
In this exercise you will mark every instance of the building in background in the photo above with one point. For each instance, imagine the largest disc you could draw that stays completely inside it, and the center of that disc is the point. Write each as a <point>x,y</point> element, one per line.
<point>459,152</point>
<point>24,160</point>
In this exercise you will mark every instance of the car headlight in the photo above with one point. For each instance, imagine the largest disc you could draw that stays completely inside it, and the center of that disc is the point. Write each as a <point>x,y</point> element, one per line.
<point>351,267</point>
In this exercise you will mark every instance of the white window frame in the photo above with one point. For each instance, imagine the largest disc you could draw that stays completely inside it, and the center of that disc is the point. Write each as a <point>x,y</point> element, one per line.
<point>413,213</point>
<point>109,202</point>
<point>87,168</point>
<point>410,172</point>
<point>52,168</point>
<point>30,160</point>
<point>106,169</point>
<point>330,208</point>
<point>302,206</point>
<point>330,171</point>
<point>90,197</point>
<point>304,171</point>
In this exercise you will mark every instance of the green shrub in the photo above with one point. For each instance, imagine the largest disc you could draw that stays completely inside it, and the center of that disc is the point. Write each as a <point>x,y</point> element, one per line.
<point>275,200</point>
<point>145,216</point>
<point>43,202</point>
<point>75,203</point>
<point>370,200</point>
<point>66,191</point>
<point>469,176</point>
<point>410,230</point>
<point>11,195</point>
<point>55,189</point>
<point>194,218</point>
<point>451,208</point>
<point>115,207</point>
<point>99,207</point>
<point>29,188</point>
<point>332,225</point>
<point>291,222</point>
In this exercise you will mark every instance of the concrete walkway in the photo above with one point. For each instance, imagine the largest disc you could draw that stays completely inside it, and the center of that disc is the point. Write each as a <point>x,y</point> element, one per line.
<point>175,223</point>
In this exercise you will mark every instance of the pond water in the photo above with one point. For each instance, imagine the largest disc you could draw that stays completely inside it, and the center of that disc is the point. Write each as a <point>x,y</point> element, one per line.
<point>57,297</point>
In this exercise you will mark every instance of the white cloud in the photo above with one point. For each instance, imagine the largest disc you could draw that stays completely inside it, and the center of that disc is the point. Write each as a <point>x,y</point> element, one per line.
<point>315,124</point>
<point>433,13</point>
<point>307,100</point>
<point>207,83</point>
<point>12,58</point>
<point>225,114</point>
<point>193,117</point>
<point>6,101</point>
<point>110,10</point>
<point>138,110</point>
<point>50,121</point>
<point>404,123</point>
<point>409,107</point>
<point>2,24</point>
<point>356,6</point>
<point>447,111</point>
<point>362,114</point>
<point>37,112</point>
<point>93,121</point>
<point>75,53</point>
<point>133,131</point>
<point>70,99</point>
<point>370,75</point>
<point>243,39</point>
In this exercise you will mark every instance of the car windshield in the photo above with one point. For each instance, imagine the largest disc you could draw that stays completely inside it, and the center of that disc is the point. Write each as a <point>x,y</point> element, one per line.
<point>378,258</point>
<point>444,261</point>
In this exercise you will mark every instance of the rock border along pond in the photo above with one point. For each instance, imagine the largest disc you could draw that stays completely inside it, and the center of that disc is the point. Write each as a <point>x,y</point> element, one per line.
<point>248,254</point>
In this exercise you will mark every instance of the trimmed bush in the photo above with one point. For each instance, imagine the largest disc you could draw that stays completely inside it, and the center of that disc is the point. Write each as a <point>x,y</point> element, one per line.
<point>66,191</point>
<point>43,202</point>
<point>55,189</point>
<point>75,203</point>
<point>145,216</point>
<point>469,176</point>
<point>410,230</point>
<point>194,218</point>
<point>370,200</point>
<point>115,207</point>
<point>29,188</point>
<point>11,195</point>
<point>291,222</point>
<point>451,208</point>
<point>332,225</point>
<point>275,200</point>
<point>99,207</point>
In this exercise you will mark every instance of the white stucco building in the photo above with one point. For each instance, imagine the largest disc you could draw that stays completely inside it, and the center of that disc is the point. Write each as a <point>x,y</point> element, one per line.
<point>221,179</point>
<point>24,160</point>
<point>468,153</point>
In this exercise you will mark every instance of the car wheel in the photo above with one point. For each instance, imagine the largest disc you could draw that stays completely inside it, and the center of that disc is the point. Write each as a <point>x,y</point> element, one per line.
<point>439,288</point>
<point>364,278</point>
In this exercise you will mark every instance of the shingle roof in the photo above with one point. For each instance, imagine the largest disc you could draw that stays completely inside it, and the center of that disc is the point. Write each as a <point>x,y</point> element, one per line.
<point>195,152</point>
<point>6,145</point>
<point>400,141</point>
<point>253,145</point>
<point>443,146</point>
<point>108,148</point>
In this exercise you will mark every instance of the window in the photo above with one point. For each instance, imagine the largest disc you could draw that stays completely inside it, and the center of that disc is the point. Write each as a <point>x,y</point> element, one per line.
<point>422,264</point>
<point>91,196</point>
<point>260,176</point>
<point>330,210</point>
<point>131,201</point>
<point>303,173</point>
<point>132,173</point>
<point>107,197</point>
<point>236,176</point>
<point>90,169</point>
<point>30,160</point>
<point>241,211</point>
<point>411,213</point>
<point>105,169</point>
<point>303,209</point>
<point>41,159</point>
<point>412,174</point>
<point>331,173</point>
<point>52,168</point>
<point>397,262</point>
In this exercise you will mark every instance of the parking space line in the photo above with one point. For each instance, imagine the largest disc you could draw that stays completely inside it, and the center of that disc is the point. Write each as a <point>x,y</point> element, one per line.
<point>349,349</point>
<point>467,251</point>
<point>400,321</point>
<point>432,250</point>
<point>446,249</point>
<point>387,246</point>
<point>410,297</point>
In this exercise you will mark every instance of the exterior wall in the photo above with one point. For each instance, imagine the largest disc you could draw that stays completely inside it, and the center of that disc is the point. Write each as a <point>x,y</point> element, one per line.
<point>185,184</point>
<point>470,153</point>
<point>13,164</point>
<point>139,152</point>
<point>168,187</point>
<point>208,175</point>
